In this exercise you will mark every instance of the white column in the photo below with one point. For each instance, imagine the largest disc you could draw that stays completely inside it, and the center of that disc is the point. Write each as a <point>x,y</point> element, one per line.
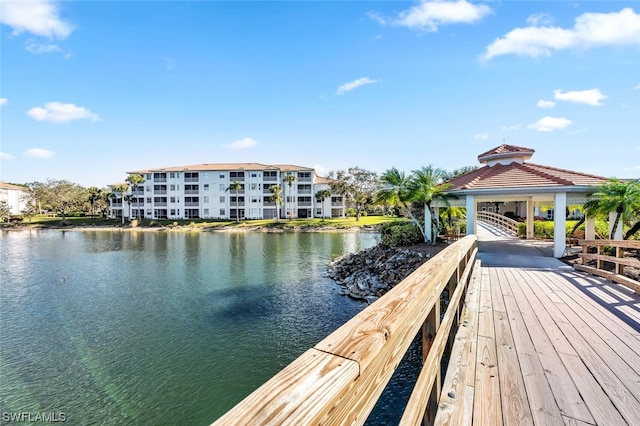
<point>612,218</point>
<point>427,223</point>
<point>471,214</point>
<point>590,228</point>
<point>559,224</point>
<point>530,222</point>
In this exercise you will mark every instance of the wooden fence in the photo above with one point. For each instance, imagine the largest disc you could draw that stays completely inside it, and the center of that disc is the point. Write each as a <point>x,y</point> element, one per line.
<point>500,220</point>
<point>339,381</point>
<point>618,260</point>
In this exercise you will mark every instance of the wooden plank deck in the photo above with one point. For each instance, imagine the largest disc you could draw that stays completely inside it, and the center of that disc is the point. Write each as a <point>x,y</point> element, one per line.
<point>551,347</point>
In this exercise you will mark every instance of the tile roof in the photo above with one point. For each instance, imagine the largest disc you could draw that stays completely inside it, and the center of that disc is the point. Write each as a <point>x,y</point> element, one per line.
<point>4,185</point>
<point>504,148</point>
<point>223,167</point>
<point>521,175</point>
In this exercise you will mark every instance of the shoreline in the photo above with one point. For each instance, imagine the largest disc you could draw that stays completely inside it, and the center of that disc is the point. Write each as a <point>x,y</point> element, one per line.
<point>221,229</point>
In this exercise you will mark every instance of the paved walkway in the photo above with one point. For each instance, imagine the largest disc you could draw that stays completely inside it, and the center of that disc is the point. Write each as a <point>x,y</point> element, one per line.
<point>542,344</point>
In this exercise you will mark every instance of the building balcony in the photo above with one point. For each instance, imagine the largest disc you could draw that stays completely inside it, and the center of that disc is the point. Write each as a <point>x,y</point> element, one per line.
<point>304,203</point>
<point>337,204</point>
<point>160,204</point>
<point>137,193</point>
<point>268,204</point>
<point>304,191</point>
<point>116,205</point>
<point>191,179</point>
<point>160,180</point>
<point>270,179</point>
<point>192,191</point>
<point>304,179</point>
<point>191,204</point>
<point>233,204</point>
<point>159,191</point>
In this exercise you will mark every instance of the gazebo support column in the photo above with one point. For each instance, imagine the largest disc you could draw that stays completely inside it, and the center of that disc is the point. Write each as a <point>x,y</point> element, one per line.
<point>590,228</point>
<point>559,224</point>
<point>471,214</point>
<point>530,214</point>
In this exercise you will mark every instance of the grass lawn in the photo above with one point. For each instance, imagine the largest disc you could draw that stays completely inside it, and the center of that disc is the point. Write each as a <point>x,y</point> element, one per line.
<point>329,223</point>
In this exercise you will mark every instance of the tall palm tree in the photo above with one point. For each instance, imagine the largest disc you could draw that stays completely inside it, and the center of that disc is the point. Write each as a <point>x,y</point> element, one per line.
<point>322,195</point>
<point>94,195</point>
<point>235,186</point>
<point>276,197</point>
<point>290,179</point>
<point>122,188</point>
<point>622,197</point>
<point>396,192</point>
<point>425,186</point>
<point>134,180</point>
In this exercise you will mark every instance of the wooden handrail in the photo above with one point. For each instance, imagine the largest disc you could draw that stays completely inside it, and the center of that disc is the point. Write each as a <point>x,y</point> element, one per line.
<point>618,260</point>
<point>340,379</point>
<point>500,220</point>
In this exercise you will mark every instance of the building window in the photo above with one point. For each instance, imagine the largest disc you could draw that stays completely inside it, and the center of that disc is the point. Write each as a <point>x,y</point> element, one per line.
<point>172,187</point>
<point>236,175</point>
<point>222,187</point>
<point>205,199</point>
<point>254,186</point>
<point>149,202</point>
<point>253,174</point>
<point>222,198</point>
<point>172,176</point>
<point>222,213</point>
<point>206,186</point>
<point>172,199</point>
<point>191,176</point>
<point>173,212</point>
<point>254,200</point>
<point>222,175</point>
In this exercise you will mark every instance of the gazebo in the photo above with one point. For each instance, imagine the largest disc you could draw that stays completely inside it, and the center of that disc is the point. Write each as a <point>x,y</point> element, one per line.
<point>507,177</point>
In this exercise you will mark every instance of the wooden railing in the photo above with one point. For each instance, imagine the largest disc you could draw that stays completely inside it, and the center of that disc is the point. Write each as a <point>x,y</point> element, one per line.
<point>500,220</point>
<point>618,260</point>
<point>340,379</point>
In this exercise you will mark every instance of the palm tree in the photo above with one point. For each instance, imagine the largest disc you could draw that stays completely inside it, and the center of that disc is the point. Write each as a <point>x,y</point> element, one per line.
<point>235,186</point>
<point>425,186</point>
<point>122,188</point>
<point>322,195</point>
<point>290,179</point>
<point>623,197</point>
<point>135,180</point>
<point>396,192</point>
<point>276,197</point>
<point>94,195</point>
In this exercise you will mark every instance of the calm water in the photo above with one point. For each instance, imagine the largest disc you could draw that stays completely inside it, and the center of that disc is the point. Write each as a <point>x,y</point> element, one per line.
<point>115,328</point>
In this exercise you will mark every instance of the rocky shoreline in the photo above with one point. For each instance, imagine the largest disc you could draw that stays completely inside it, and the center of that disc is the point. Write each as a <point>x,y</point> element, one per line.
<point>370,273</point>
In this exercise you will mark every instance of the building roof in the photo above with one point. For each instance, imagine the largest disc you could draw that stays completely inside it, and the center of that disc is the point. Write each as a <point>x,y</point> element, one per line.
<point>521,175</point>
<point>325,180</point>
<point>506,154</point>
<point>4,185</point>
<point>217,167</point>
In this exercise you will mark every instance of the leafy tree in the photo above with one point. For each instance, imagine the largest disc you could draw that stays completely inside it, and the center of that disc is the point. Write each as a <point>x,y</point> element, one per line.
<point>289,179</point>
<point>359,186</point>
<point>94,195</point>
<point>425,186</point>
<point>102,203</point>
<point>458,172</point>
<point>134,180</point>
<point>621,197</point>
<point>5,211</point>
<point>322,195</point>
<point>62,196</point>
<point>276,197</point>
<point>121,188</point>
<point>235,186</point>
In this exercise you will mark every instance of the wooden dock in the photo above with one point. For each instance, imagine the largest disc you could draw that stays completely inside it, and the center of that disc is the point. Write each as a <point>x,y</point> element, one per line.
<point>545,346</point>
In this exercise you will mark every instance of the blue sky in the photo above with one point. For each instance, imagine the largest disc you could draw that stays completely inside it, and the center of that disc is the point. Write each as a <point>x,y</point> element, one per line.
<point>92,89</point>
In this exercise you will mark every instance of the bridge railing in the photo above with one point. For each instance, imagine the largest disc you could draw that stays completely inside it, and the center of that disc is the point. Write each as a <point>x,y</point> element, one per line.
<point>619,260</point>
<point>500,220</point>
<point>339,380</point>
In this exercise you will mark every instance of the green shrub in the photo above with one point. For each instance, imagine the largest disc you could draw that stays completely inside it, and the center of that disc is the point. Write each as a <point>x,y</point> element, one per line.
<point>399,233</point>
<point>351,212</point>
<point>363,213</point>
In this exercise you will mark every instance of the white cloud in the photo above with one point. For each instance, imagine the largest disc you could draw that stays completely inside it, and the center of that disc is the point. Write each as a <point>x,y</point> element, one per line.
<point>589,97</point>
<point>5,156</point>
<point>39,49</point>
<point>546,104</point>
<point>39,17</point>
<point>512,127</point>
<point>347,87</point>
<point>539,19</point>
<point>4,101</point>
<point>243,143</point>
<point>548,124</point>
<point>57,112</point>
<point>430,15</point>
<point>637,87</point>
<point>38,153</point>
<point>590,30</point>
<point>481,136</point>
<point>320,170</point>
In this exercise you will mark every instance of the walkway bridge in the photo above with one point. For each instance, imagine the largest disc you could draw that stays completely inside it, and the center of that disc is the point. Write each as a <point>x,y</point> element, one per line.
<point>531,341</point>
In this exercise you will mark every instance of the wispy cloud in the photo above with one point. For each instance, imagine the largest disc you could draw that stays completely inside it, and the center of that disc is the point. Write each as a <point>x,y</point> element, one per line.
<point>38,153</point>
<point>590,30</point>
<point>588,97</point>
<point>347,87</point>
<point>511,127</point>
<point>4,101</point>
<point>430,15</point>
<point>320,170</point>
<point>481,136</point>
<point>38,17</point>
<point>637,87</point>
<point>5,156</point>
<point>57,112</point>
<point>545,104</point>
<point>243,143</point>
<point>549,124</point>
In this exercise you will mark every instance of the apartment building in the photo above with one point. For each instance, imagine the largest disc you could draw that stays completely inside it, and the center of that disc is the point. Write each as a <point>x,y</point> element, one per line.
<point>201,191</point>
<point>15,197</point>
